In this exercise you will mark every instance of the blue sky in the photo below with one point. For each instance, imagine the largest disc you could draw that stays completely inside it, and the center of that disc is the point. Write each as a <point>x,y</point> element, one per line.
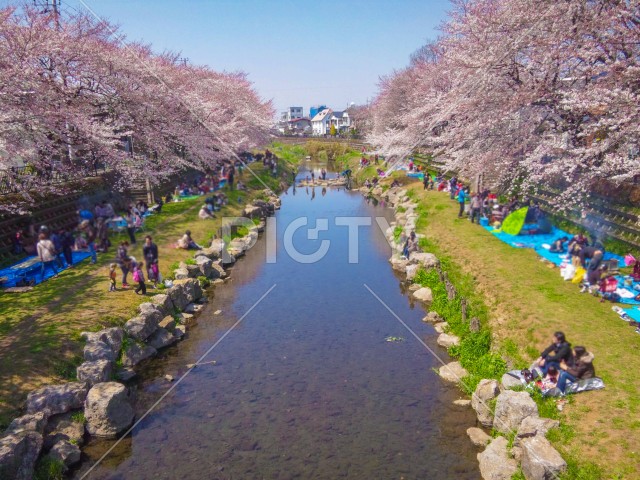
<point>296,52</point>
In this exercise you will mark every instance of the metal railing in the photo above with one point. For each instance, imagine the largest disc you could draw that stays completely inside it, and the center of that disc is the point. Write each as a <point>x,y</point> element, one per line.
<point>18,179</point>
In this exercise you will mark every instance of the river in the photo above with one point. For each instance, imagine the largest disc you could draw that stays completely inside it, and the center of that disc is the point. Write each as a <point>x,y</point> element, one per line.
<point>306,385</point>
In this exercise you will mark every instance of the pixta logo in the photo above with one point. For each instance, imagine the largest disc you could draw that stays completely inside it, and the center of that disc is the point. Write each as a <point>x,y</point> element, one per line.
<point>231,225</point>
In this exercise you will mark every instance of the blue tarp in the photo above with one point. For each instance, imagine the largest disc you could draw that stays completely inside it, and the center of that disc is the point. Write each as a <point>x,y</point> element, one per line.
<point>29,269</point>
<point>537,241</point>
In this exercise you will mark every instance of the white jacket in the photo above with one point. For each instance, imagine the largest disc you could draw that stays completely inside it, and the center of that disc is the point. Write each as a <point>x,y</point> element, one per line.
<point>46,250</point>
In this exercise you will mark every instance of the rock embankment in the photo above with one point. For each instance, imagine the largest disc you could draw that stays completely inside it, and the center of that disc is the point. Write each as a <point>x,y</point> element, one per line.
<point>508,412</point>
<point>59,417</point>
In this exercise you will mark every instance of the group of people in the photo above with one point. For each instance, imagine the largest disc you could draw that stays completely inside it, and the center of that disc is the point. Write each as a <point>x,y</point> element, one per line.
<point>560,364</point>
<point>129,264</point>
<point>586,260</point>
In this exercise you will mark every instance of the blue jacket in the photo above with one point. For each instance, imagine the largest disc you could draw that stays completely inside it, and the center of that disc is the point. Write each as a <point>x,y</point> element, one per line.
<point>462,196</point>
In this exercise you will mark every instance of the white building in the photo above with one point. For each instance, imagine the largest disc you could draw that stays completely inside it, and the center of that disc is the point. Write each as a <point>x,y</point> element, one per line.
<point>321,123</point>
<point>340,120</point>
<point>291,114</point>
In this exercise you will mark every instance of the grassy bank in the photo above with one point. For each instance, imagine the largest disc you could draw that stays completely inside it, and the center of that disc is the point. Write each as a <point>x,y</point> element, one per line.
<point>40,330</point>
<point>520,301</point>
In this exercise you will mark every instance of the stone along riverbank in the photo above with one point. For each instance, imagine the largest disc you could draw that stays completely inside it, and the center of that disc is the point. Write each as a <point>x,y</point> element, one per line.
<point>517,446</point>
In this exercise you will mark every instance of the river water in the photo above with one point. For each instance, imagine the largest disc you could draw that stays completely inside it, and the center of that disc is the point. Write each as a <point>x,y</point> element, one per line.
<point>306,386</point>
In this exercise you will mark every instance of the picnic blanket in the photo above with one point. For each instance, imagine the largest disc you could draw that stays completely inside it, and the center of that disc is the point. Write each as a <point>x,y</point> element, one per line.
<point>29,269</point>
<point>540,243</point>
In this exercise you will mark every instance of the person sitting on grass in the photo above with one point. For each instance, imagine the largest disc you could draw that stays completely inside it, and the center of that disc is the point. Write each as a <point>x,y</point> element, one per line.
<point>558,245</point>
<point>411,245</point>
<point>205,213</point>
<point>187,243</point>
<point>549,381</point>
<point>554,354</point>
<point>581,368</point>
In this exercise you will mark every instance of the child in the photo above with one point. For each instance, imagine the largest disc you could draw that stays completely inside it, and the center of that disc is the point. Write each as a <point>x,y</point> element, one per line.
<point>112,277</point>
<point>154,273</point>
<point>138,276</point>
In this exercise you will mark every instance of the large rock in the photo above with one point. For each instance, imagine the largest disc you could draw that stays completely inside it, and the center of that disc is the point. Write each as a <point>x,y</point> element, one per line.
<point>447,341</point>
<point>209,252</point>
<point>98,350</point>
<point>511,409</point>
<point>113,337</point>
<point>161,338</point>
<point>18,455</point>
<point>398,263</point>
<point>411,271</point>
<point>66,426</point>
<point>178,295</point>
<point>191,291</point>
<point>142,326</point>
<point>452,372</point>
<point>486,391</point>
<point>532,426</point>
<point>134,354</point>
<point>509,381</point>
<point>427,260</point>
<point>31,422</point>
<point>540,461</point>
<point>433,317</point>
<point>478,436</point>
<point>204,264</point>
<point>424,295</point>
<point>65,452</point>
<point>440,327</point>
<point>164,304</point>
<point>193,270</point>
<point>181,273</point>
<point>217,266</point>
<point>108,410</point>
<point>168,323</point>
<point>57,398</point>
<point>495,463</point>
<point>217,247</point>
<point>94,372</point>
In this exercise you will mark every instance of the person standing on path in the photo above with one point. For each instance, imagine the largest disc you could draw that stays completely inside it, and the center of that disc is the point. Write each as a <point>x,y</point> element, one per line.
<point>150,253</point>
<point>476,206</point>
<point>112,277</point>
<point>138,276</point>
<point>90,234</point>
<point>230,177</point>
<point>462,196</point>
<point>122,259</point>
<point>47,255</point>
<point>131,225</point>
<point>68,241</point>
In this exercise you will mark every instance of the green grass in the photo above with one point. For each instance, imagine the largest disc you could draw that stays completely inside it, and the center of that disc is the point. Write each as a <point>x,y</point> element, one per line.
<point>48,469</point>
<point>522,301</point>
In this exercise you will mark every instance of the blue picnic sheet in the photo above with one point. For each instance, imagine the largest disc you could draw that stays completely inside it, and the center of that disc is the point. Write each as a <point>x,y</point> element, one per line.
<point>29,269</point>
<point>537,241</point>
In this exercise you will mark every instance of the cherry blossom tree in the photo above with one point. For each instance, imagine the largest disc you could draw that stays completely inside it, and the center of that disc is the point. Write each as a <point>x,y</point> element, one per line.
<point>526,93</point>
<point>73,92</point>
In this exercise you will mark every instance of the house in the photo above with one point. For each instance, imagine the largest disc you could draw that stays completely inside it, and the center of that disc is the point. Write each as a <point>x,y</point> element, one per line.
<point>313,111</point>
<point>341,121</point>
<point>291,114</point>
<point>299,126</point>
<point>321,123</point>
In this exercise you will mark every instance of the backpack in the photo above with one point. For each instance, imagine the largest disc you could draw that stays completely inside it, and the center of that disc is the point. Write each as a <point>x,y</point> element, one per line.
<point>137,276</point>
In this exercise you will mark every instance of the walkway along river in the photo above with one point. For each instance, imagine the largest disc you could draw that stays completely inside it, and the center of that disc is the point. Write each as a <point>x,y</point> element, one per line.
<point>306,386</point>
